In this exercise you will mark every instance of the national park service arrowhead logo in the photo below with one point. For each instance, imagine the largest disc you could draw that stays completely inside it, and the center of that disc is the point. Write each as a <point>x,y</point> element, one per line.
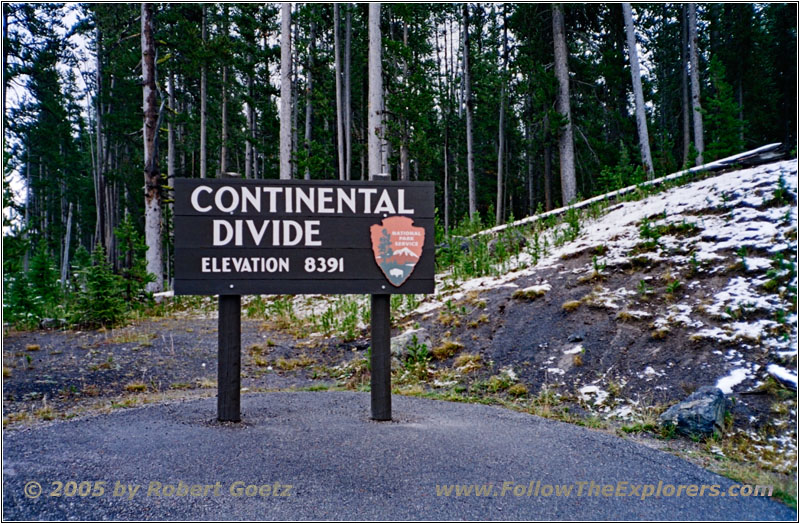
<point>397,246</point>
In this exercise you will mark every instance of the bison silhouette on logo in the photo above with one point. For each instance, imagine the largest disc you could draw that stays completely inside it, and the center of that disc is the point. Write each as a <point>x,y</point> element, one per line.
<point>397,246</point>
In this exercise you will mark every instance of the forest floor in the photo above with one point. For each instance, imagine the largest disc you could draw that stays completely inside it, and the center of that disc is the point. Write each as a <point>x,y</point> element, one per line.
<point>652,300</point>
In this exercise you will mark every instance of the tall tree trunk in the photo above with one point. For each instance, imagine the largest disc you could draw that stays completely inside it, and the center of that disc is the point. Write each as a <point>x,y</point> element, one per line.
<point>693,58</point>
<point>339,106</point>
<point>529,159</point>
<point>286,93</point>
<point>99,185</point>
<point>348,135</point>
<point>294,97</point>
<point>309,90</point>
<point>152,196</point>
<point>405,166</point>
<point>472,193</point>
<point>26,226</point>
<point>687,138</point>
<point>375,104</point>
<point>548,164</point>
<point>501,130</point>
<point>223,149</point>
<point>248,113</point>
<point>444,100</point>
<point>636,77</point>
<point>171,130</point>
<point>65,257</point>
<point>6,50</point>
<point>203,97</point>
<point>566,147</point>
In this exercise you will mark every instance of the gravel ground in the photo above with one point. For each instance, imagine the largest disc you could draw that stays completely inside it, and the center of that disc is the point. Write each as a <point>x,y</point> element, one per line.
<point>342,466</point>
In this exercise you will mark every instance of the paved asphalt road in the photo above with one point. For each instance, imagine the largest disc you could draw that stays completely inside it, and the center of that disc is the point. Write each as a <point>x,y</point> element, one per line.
<point>340,465</point>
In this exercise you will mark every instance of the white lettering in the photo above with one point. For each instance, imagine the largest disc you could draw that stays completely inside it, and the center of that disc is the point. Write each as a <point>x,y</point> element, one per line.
<point>384,204</point>
<point>311,233</point>
<point>342,197</point>
<point>234,199</point>
<point>196,197</point>
<point>401,202</point>
<point>298,231</point>
<point>324,197</point>
<point>301,197</point>
<point>273,207</point>
<point>257,234</point>
<point>367,198</point>
<point>218,240</point>
<point>253,197</point>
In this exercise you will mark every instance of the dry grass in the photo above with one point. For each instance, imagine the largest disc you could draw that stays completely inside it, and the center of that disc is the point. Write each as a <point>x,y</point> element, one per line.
<point>447,349</point>
<point>660,333</point>
<point>293,363</point>
<point>518,390</point>
<point>531,293</point>
<point>570,306</point>
<point>468,362</point>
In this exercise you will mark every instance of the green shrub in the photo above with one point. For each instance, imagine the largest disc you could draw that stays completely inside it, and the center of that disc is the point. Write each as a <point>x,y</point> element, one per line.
<point>133,250</point>
<point>100,300</point>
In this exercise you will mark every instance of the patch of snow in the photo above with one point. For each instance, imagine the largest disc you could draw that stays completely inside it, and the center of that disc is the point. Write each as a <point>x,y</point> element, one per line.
<point>555,371</point>
<point>509,372</point>
<point>782,374</point>
<point>735,377</point>
<point>593,392</point>
<point>738,294</point>
<point>623,412</point>
<point>638,315</point>
<point>753,264</point>
<point>537,289</point>
<point>576,349</point>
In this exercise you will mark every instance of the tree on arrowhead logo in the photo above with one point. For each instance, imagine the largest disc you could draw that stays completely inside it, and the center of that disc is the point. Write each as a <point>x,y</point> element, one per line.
<point>397,246</point>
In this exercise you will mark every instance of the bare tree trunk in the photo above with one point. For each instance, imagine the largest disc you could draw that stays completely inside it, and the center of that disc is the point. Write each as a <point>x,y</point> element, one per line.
<point>309,90</point>
<point>375,104</point>
<point>223,160</point>
<point>152,196</point>
<point>28,195</point>
<point>566,147</point>
<point>99,184</point>
<point>6,50</point>
<point>339,110</point>
<point>473,201</point>
<point>248,113</point>
<point>171,131</point>
<point>286,93</point>
<point>501,131</point>
<point>698,115</point>
<point>548,165</point>
<point>294,97</point>
<point>405,166</point>
<point>348,135</point>
<point>65,257</point>
<point>687,138</point>
<point>203,99</point>
<point>636,78</point>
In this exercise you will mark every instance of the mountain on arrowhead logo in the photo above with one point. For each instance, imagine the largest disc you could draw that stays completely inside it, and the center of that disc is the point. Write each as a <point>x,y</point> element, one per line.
<point>397,246</point>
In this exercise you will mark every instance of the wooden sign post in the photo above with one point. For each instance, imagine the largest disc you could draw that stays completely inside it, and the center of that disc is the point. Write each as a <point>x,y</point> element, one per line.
<point>380,365</point>
<point>235,237</point>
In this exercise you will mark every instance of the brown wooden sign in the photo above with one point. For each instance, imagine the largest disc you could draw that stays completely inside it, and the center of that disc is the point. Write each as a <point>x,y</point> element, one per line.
<point>238,237</point>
